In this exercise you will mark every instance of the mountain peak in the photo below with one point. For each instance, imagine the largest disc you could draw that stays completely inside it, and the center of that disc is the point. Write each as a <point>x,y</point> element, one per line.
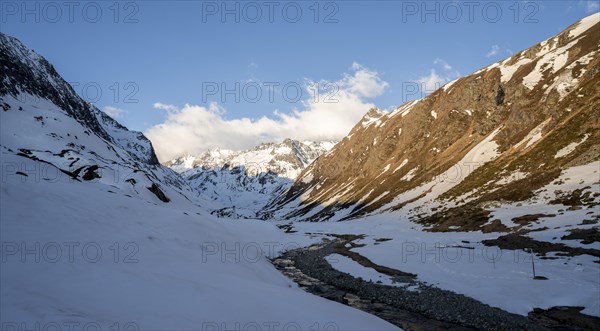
<point>27,75</point>
<point>286,158</point>
<point>426,156</point>
<point>245,181</point>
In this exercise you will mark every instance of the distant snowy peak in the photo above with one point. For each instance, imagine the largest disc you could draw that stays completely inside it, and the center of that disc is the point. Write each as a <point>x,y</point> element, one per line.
<point>286,159</point>
<point>241,183</point>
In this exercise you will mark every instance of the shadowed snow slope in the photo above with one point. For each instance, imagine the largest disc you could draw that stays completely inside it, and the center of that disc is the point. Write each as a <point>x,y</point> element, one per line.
<point>95,233</point>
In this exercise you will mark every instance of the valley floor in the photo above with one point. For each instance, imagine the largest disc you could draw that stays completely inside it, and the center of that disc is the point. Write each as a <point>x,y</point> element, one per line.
<point>448,274</point>
<point>459,262</point>
<point>81,255</point>
<point>77,252</point>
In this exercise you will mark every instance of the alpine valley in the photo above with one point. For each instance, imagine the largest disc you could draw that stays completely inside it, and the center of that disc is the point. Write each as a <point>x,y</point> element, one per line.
<point>476,207</point>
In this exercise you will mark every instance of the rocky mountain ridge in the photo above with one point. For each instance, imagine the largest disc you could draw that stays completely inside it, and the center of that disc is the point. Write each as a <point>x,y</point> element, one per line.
<point>242,182</point>
<point>498,135</point>
<point>44,121</point>
<point>286,158</point>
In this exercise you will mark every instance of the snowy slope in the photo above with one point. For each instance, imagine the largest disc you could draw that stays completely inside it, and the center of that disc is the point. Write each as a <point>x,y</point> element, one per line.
<point>97,235</point>
<point>149,266</point>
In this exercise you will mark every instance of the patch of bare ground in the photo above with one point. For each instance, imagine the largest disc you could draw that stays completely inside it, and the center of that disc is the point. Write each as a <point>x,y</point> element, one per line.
<point>576,198</point>
<point>465,218</point>
<point>529,218</point>
<point>514,241</point>
<point>587,236</point>
<point>565,318</point>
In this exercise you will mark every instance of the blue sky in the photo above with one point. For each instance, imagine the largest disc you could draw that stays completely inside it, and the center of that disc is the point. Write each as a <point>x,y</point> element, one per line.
<point>166,51</point>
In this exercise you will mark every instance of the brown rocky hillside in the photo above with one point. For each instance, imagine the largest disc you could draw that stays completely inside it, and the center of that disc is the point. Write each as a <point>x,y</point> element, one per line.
<point>498,134</point>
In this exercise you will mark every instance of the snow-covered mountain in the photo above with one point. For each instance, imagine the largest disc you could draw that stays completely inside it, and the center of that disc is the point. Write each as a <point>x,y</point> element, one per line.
<point>514,134</point>
<point>97,235</point>
<point>44,120</point>
<point>489,187</point>
<point>473,208</point>
<point>287,158</point>
<point>242,182</point>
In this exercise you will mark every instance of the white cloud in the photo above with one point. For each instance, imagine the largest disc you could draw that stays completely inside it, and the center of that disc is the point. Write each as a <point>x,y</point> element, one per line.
<point>590,6</point>
<point>113,111</point>
<point>444,64</point>
<point>362,82</point>
<point>194,129</point>
<point>494,51</point>
<point>433,81</point>
<point>168,108</point>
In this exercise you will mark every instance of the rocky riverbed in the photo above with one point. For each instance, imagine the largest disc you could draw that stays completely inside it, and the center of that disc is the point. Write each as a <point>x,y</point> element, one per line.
<point>414,305</point>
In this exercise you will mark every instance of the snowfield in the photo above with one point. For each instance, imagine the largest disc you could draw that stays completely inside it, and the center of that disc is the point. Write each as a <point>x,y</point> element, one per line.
<point>136,262</point>
<point>107,253</point>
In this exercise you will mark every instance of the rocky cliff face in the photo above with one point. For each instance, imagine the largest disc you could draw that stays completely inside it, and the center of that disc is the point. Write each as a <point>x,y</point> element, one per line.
<point>48,131</point>
<point>27,75</point>
<point>498,135</point>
